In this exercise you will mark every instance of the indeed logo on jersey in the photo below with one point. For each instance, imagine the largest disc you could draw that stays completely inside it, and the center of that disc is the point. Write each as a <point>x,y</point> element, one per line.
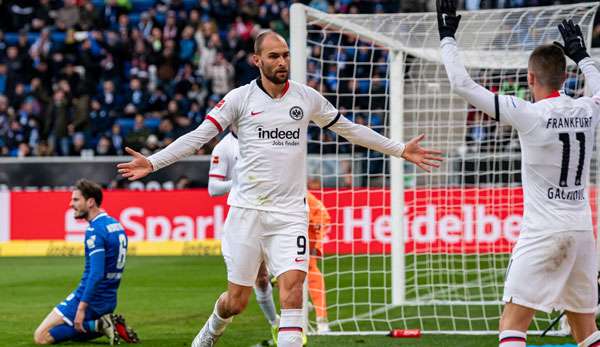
<point>280,137</point>
<point>278,134</point>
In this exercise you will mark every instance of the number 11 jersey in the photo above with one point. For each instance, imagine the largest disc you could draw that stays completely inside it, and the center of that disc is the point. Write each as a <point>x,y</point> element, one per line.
<point>557,137</point>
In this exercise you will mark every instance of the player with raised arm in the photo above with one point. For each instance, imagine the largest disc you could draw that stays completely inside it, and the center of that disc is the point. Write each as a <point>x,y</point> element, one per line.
<point>553,265</point>
<point>268,220</point>
<point>87,313</point>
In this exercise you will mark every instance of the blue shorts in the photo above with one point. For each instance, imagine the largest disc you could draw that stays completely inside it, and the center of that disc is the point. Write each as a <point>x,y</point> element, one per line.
<point>68,309</point>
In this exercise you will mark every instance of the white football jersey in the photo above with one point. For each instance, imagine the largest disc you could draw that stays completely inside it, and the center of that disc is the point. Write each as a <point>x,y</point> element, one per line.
<point>224,157</point>
<point>272,136</point>
<point>557,136</point>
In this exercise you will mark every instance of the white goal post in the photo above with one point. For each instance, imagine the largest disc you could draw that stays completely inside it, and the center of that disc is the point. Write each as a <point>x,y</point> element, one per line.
<point>410,249</point>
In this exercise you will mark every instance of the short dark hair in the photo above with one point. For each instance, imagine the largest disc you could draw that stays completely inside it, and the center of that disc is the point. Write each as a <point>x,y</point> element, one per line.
<point>548,64</point>
<point>258,41</point>
<point>90,189</point>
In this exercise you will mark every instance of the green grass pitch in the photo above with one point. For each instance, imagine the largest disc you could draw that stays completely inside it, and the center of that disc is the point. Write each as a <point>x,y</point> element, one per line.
<point>167,299</point>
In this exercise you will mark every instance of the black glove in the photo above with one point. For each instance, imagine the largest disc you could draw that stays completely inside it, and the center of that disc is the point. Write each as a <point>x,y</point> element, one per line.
<point>574,47</point>
<point>447,18</point>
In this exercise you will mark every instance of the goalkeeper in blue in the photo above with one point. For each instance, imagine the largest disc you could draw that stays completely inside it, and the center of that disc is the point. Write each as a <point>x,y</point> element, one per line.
<point>553,264</point>
<point>87,313</point>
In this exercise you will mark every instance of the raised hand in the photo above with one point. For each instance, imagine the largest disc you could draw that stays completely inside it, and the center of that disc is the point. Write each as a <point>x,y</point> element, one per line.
<point>422,157</point>
<point>447,18</point>
<point>574,47</point>
<point>137,168</point>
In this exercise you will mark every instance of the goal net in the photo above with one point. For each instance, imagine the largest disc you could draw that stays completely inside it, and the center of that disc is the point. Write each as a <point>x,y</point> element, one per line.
<point>410,249</point>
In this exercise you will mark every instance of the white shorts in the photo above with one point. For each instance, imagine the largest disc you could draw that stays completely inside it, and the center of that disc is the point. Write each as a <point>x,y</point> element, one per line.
<point>554,272</point>
<point>253,236</point>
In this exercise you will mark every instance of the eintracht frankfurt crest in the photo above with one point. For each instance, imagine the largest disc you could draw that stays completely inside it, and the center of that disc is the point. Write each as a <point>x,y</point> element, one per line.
<point>296,113</point>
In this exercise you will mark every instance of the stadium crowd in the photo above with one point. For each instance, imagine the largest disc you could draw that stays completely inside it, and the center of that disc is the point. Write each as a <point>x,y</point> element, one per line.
<point>81,77</point>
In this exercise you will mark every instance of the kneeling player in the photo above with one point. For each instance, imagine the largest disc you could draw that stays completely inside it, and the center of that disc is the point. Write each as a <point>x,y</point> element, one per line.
<point>87,312</point>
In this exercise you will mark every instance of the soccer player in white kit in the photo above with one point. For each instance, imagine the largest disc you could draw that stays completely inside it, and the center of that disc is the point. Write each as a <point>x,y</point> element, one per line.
<point>553,265</point>
<point>222,164</point>
<point>221,177</point>
<point>268,220</point>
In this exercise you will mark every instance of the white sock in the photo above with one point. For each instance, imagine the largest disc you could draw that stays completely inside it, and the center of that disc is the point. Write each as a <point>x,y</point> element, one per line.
<point>266,303</point>
<point>512,338</point>
<point>592,340</point>
<point>216,324</point>
<point>290,328</point>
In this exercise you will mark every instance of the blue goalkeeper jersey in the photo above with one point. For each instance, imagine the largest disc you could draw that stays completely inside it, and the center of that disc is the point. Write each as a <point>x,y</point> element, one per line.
<point>105,254</point>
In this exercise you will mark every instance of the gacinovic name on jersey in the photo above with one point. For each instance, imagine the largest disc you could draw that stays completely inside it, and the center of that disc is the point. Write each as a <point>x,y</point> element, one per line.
<point>276,135</point>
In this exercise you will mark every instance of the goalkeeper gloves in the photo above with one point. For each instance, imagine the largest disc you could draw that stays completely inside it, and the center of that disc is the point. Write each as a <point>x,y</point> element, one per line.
<point>447,18</point>
<point>574,47</point>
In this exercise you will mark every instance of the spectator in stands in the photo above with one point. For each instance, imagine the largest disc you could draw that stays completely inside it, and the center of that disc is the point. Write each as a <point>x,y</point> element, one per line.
<point>117,139</point>
<point>3,77</point>
<point>245,71</point>
<point>21,13</point>
<point>170,30</point>
<point>195,114</point>
<point>165,131</point>
<point>157,102</point>
<point>187,45</point>
<point>79,144</point>
<point>56,123</point>
<point>104,147</point>
<point>168,63</point>
<point>100,120</point>
<point>136,96</point>
<point>220,73</point>
<point>41,16</point>
<point>138,136</point>
<point>41,47</point>
<point>67,16</point>
<point>110,100</point>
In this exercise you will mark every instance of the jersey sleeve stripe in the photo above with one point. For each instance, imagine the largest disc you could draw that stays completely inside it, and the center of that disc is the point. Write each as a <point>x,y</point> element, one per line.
<point>217,176</point>
<point>332,122</point>
<point>214,121</point>
<point>497,107</point>
<point>97,250</point>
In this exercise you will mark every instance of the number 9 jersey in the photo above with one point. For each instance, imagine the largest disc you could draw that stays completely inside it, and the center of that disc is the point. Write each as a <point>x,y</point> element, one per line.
<point>557,135</point>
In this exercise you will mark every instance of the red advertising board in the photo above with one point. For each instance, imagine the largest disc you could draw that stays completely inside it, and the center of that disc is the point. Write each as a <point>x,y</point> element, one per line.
<point>146,215</point>
<point>437,221</point>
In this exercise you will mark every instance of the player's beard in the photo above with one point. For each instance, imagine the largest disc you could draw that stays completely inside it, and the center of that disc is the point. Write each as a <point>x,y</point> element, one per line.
<point>272,76</point>
<point>81,214</point>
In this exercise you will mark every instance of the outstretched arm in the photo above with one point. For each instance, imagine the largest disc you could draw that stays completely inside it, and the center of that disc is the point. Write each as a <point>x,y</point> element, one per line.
<point>412,151</point>
<point>574,48</point>
<point>184,146</point>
